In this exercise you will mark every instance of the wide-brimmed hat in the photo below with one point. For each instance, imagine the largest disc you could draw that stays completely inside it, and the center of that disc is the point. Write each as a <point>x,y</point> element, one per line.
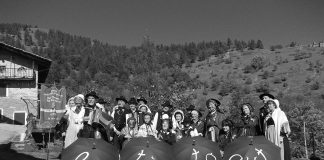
<point>217,102</point>
<point>142,99</point>
<point>251,108</point>
<point>266,94</point>
<point>132,101</point>
<point>167,104</point>
<point>190,108</point>
<point>93,94</point>
<point>121,98</point>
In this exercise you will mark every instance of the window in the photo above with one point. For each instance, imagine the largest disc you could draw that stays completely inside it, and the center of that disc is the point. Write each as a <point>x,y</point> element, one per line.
<point>2,70</point>
<point>3,90</point>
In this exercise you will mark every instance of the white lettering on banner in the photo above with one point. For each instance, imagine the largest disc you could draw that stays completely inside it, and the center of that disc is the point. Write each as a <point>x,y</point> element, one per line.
<point>140,155</point>
<point>210,155</point>
<point>236,155</point>
<point>259,152</point>
<point>81,154</point>
<point>195,153</point>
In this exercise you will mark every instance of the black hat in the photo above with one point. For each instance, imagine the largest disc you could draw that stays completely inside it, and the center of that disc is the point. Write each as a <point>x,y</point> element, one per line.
<point>91,93</point>
<point>102,101</point>
<point>190,108</point>
<point>227,122</point>
<point>132,101</point>
<point>167,104</point>
<point>266,94</point>
<point>142,99</point>
<point>121,98</point>
<point>214,100</point>
<point>186,120</point>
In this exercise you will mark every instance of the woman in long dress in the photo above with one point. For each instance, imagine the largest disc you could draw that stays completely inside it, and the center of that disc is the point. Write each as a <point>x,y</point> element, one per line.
<point>75,120</point>
<point>282,129</point>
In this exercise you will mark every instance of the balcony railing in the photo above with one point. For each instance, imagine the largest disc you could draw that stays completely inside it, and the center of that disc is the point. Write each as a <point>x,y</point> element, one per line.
<point>17,73</point>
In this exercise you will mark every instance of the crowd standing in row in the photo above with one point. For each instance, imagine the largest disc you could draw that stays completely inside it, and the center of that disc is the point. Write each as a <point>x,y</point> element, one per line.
<point>88,116</point>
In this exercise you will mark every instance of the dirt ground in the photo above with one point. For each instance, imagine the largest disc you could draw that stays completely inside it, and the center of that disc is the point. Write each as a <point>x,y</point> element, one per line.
<point>8,132</point>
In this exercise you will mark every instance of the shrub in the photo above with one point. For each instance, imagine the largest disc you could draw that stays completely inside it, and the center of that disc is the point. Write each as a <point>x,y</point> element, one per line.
<point>248,81</point>
<point>265,75</point>
<point>274,69</point>
<point>315,86</point>
<point>248,69</point>
<point>205,91</point>
<point>227,87</point>
<point>277,80</point>
<point>228,61</point>
<point>302,55</point>
<point>274,47</point>
<point>308,80</point>
<point>285,61</point>
<point>197,76</point>
<point>283,78</point>
<point>215,84</point>
<point>285,84</point>
<point>258,62</point>
<point>263,86</point>
<point>246,90</point>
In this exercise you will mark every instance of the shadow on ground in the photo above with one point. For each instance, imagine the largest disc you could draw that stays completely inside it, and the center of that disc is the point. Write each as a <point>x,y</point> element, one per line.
<point>10,154</point>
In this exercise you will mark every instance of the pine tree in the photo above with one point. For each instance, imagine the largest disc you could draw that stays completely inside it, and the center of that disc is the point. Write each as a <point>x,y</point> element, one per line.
<point>259,44</point>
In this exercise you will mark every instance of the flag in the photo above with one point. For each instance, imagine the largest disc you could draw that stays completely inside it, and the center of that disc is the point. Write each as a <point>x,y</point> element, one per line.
<point>52,104</point>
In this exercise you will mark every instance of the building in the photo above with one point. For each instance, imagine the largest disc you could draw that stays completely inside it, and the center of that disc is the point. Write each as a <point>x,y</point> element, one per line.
<point>20,74</point>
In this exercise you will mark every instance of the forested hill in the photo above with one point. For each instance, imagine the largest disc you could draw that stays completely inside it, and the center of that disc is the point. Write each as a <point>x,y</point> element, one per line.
<point>150,70</point>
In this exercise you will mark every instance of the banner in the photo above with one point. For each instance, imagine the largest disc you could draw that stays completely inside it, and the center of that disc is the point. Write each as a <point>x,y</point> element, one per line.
<point>52,104</point>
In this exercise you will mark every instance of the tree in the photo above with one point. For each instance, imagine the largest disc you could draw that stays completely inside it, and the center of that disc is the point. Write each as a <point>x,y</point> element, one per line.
<point>251,45</point>
<point>259,44</point>
<point>229,43</point>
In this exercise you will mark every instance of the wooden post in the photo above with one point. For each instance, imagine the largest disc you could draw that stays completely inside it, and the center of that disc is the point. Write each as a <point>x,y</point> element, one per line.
<point>306,153</point>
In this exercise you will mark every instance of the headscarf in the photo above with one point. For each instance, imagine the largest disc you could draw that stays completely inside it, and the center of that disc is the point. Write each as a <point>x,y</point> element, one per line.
<point>279,117</point>
<point>147,108</point>
<point>175,124</point>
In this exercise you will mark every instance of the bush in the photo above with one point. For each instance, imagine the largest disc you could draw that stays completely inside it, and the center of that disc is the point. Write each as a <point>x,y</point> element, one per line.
<point>315,86</point>
<point>248,81</point>
<point>265,75</point>
<point>248,69</point>
<point>285,84</point>
<point>227,87</point>
<point>215,84</point>
<point>274,47</point>
<point>275,67</point>
<point>302,55</point>
<point>205,91</point>
<point>228,61</point>
<point>277,80</point>
<point>283,78</point>
<point>262,87</point>
<point>246,90</point>
<point>308,80</point>
<point>258,62</point>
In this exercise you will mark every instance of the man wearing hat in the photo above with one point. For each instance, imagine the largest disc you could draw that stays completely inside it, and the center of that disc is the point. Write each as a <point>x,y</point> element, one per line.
<point>133,108</point>
<point>265,97</point>
<point>119,115</point>
<point>214,119</point>
<point>142,101</point>
<point>166,109</point>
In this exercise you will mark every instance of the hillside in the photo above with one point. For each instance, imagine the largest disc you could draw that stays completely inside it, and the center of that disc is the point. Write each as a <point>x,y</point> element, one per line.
<point>290,71</point>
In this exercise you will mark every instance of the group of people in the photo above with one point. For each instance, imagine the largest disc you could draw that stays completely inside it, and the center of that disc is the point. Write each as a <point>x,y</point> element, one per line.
<point>88,116</point>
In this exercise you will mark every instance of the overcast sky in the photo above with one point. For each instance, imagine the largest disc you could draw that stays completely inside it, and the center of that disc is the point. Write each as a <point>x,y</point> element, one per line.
<point>124,22</point>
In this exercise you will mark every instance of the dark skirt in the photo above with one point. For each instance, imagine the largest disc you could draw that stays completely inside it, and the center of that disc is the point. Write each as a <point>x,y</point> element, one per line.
<point>286,148</point>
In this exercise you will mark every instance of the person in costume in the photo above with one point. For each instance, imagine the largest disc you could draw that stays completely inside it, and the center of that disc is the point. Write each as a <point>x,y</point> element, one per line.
<point>147,129</point>
<point>166,134</point>
<point>248,126</point>
<point>214,119</point>
<point>166,111</point>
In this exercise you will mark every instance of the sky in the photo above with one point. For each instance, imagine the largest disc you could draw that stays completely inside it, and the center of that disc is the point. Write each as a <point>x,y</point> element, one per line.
<point>126,22</point>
